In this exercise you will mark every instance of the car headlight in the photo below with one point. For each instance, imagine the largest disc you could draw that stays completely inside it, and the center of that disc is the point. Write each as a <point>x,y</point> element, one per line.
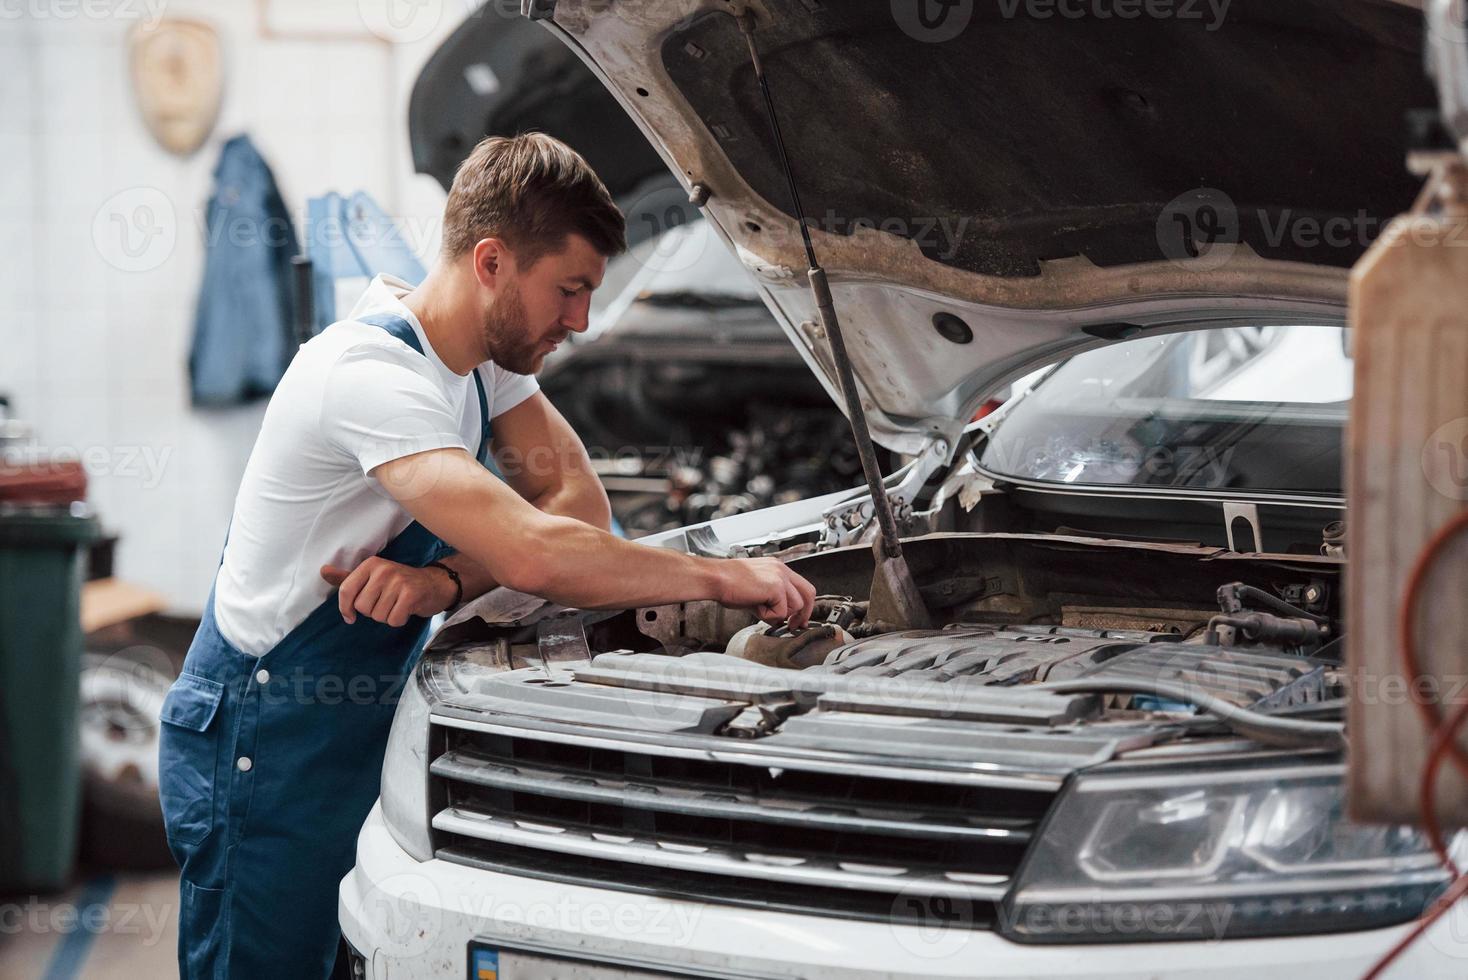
<point>1131,857</point>
<point>404,791</point>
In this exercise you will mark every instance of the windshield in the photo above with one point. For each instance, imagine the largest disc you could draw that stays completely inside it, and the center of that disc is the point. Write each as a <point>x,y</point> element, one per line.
<point>1236,408</point>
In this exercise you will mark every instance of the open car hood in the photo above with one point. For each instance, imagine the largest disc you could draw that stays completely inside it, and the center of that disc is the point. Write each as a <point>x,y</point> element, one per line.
<point>989,199</point>
<point>498,74</point>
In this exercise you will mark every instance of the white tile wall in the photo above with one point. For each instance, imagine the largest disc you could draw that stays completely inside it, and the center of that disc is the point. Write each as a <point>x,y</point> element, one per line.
<point>95,356</point>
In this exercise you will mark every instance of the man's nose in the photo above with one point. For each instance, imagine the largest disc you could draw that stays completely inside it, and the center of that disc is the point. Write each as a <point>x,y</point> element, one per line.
<point>578,318</point>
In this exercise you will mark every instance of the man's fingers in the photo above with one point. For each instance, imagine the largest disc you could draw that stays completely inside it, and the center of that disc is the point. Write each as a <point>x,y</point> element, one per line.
<point>371,592</point>
<point>793,603</point>
<point>388,597</point>
<point>800,604</point>
<point>775,611</point>
<point>806,589</point>
<point>798,611</point>
<point>401,610</point>
<point>346,599</point>
<point>808,599</point>
<point>334,576</point>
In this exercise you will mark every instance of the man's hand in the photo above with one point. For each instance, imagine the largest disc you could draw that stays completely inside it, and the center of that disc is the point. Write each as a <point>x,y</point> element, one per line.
<point>389,592</point>
<point>768,586</point>
<point>568,561</point>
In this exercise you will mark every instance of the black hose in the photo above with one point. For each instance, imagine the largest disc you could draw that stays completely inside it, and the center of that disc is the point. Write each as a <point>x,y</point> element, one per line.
<point>1231,596</point>
<point>1265,729</point>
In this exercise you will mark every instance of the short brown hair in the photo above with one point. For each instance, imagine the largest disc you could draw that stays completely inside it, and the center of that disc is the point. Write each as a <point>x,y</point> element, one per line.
<point>531,191</point>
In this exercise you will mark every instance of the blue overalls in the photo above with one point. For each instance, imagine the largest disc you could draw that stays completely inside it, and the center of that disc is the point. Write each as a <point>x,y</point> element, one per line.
<point>269,765</point>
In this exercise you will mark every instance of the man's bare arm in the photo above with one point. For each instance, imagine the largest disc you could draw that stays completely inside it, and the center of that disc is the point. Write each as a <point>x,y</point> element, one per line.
<point>561,558</point>
<point>546,463</point>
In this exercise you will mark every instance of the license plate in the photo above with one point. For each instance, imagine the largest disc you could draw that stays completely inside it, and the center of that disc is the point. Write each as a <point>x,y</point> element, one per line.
<point>484,962</point>
<point>489,962</point>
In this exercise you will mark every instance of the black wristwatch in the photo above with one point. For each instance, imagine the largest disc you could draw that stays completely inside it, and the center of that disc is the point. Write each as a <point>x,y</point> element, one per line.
<point>458,582</point>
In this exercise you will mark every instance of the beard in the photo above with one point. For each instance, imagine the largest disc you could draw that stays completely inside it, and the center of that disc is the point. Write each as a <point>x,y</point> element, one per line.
<point>506,336</point>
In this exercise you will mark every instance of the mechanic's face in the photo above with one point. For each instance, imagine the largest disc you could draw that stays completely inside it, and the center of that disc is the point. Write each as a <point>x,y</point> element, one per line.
<point>535,309</point>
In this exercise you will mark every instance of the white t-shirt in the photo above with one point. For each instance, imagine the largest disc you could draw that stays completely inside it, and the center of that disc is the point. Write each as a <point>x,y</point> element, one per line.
<point>354,397</point>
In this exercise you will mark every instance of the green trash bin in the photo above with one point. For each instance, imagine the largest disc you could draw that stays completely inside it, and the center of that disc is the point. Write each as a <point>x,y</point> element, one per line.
<point>41,560</point>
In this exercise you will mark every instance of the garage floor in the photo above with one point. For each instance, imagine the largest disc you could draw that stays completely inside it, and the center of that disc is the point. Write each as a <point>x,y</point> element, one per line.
<point>110,926</point>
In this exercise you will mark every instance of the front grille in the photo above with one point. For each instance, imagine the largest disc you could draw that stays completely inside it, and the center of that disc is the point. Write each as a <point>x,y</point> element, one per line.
<point>649,818</point>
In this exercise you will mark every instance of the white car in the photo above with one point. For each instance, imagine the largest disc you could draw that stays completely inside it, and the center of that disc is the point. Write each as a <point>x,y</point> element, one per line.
<point>1106,737</point>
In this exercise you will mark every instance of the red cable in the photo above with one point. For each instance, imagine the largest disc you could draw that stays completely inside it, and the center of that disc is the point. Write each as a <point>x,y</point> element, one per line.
<point>1445,736</point>
<point>1443,744</point>
<point>1447,900</point>
<point>1406,640</point>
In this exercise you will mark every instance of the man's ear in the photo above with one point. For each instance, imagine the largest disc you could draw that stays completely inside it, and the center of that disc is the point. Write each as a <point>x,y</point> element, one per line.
<point>491,260</point>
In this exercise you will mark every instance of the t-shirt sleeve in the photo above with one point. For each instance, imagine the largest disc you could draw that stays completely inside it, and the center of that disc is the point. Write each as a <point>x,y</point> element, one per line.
<point>378,406</point>
<point>510,389</point>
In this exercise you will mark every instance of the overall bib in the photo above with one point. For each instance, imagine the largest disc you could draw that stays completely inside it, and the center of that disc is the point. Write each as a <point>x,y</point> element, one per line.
<point>269,765</point>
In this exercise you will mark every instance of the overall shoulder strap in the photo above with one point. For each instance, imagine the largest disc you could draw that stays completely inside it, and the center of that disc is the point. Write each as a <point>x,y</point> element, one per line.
<point>483,418</point>
<point>403,330</point>
<point>395,325</point>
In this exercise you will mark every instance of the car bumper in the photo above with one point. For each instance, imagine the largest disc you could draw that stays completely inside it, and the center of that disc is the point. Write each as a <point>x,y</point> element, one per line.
<point>416,920</point>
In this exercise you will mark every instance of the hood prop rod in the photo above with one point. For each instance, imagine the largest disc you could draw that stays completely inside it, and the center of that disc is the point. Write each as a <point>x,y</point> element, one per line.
<point>895,599</point>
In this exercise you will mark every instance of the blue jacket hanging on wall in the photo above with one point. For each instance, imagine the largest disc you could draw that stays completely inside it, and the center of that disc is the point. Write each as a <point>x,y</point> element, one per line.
<point>243,336</point>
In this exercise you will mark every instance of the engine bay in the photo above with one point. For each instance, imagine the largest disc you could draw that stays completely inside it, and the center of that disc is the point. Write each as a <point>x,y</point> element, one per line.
<point>1149,630</point>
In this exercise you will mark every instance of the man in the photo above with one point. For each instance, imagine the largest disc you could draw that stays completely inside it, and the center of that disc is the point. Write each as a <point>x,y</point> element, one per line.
<point>370,465</point>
